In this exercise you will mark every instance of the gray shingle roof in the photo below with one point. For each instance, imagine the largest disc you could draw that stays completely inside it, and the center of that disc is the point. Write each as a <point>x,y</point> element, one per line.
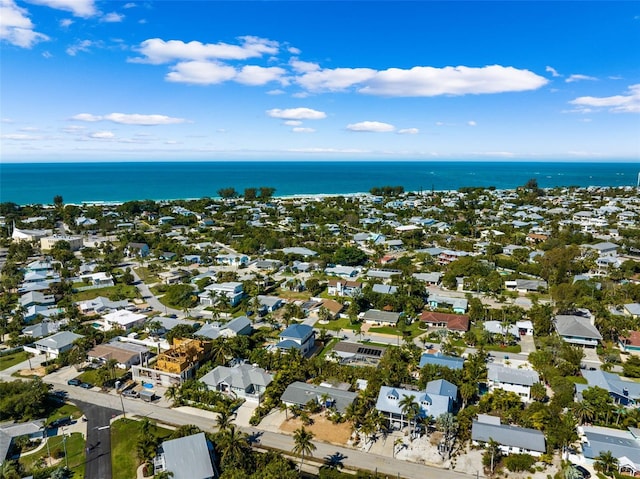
<point>301,393</point>
<point>576,326</point>
<point>503,374</point>
<point>506,435</point>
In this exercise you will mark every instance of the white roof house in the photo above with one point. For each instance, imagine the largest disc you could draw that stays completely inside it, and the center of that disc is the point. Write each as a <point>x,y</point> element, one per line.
<point>122,318</point>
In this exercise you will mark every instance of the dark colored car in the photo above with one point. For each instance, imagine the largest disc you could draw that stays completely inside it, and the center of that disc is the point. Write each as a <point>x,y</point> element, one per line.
<point>582,471</point>
<point>130,393</point>
<point>74,382</point>
<point>86,385</point>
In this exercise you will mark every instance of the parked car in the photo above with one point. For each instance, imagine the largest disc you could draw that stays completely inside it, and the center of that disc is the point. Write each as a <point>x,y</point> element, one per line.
<point>130,393</point>
<point>74,382</point>
<point>86,385</point>
<point>584,473</point>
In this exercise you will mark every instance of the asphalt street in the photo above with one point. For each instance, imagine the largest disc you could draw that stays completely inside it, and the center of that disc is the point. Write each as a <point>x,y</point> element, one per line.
<point>98,445</point>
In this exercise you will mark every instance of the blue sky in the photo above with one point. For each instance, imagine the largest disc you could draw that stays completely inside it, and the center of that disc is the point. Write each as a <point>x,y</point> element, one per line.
<point>88,80</point>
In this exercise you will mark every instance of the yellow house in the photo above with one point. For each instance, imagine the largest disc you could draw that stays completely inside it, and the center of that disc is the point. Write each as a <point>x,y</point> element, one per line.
<point>184,354</point>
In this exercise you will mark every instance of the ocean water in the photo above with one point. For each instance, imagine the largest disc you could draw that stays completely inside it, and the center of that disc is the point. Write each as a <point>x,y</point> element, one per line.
<point>38,183</point>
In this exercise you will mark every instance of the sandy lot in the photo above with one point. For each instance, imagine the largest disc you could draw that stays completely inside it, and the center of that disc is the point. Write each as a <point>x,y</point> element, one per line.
<point>39,371</point>
<point>323,429</point>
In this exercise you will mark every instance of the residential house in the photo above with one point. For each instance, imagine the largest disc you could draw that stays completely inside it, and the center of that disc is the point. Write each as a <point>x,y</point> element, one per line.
<point>450,322</point>
<point>48,242</point>
<point>458,305</point>
<point>334,307</point>
<point>121,319</point>
<point>431,279</point>
<point>189,457</point>
<point>356,354</point>
<point>53,346</point>
<point>11,430</point>
<point>33,298</point>
<point>384,289</point>
<point>632,309</point>
<point>100,279</point>
<point>124,353</point>
<point>515,380</point>
<point>240,326</point>
<point>232,259</point>
<point>297,336</point>
<point>577,330</point>
<point>381,318</point>
<point>623,445</point>
<point>338,287</point>
<point>630,342</point>
<point>243,380</point>
<point>299,394</point>
<point>100,305</point>
<point>44,328</point>
<point>511,439</point>
<point>441,360</point>
<point>526,285</point>
<point>176,276</point>
<point>140,250</point>
<point>439,397</point>
<point>233,290</point>
<point>625,393</point>
<point>268,264</point>
<point>32,312</point>
<point>344,272</point>
<point>299,251</point>
<point>269,304</point>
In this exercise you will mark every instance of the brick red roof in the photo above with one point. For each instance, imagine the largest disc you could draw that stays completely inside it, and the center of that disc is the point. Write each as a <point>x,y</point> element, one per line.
<point>454,322</point>
<point>633,339</point>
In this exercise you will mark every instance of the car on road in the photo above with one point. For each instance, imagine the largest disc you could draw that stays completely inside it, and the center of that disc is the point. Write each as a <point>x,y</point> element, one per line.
<point>130,393</point>
<point>583,472</point>
<point>74,382</point>
<point>86,385</point>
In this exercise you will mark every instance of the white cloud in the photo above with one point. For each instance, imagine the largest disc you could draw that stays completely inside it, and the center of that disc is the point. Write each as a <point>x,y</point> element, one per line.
<point>371,126</point>
<point>157,51</point>
<point>16,27</point>
<point>303,67</point>
<point>629,103</point>
<point>6,120</point>
<point>277,91</point>
<point>334,80</point>
<point>300,129</point>
<point>294,50</point>
<point>326,150</point>
<point>47,54</point>
<point>578,77</point>
<point>129,5</point>
<point>553,71</point>
<point>112,17</point>
<point>80,8</point>
<point>20,137</point>
<point>201,73</point>
<point>66,22</point>
<point>471,123</point>
<point>102,135</point>
<point>300,94</point>
<point>80,46</point>
<point>408,131</point>
<point>296,114</point>
<point>461,80</point>
<point>130,119</point>
<point>256,75</point>
<point>293,123</point>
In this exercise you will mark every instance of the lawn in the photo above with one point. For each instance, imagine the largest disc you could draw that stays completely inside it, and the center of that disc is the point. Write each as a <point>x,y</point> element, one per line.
<point>119,291</point>
<point>124,436</point>
<point>13,359</point>
<point>65,410</point>
<point>75,454</point>
<point>341,323</point>
<point>146,275</point>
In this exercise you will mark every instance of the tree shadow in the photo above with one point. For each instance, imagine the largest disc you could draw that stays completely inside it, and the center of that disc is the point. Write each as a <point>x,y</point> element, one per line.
<point>335,460</point>
<point>254,437</point>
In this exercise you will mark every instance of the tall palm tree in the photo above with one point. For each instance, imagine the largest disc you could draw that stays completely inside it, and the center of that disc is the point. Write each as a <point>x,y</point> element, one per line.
<point>302,444</point>
<point>606,463</point>
<point>410,409</point>
<point>173,394</point>
<point>234,446</point>
<point>583,412</point>
<point>225,414</point>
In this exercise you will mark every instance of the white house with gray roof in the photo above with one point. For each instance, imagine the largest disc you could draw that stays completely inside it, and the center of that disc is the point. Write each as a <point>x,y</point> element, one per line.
<point>240,326</point>
<point>623,445</point>
<point>299,393</point>
<point>626,393</point>
<point>54,345</point>
<point>189,457</point>
<point>381,318</point>
<point>577,330</point>
<point>244,380</point>
<point>511,439</point>
<point>515,380</point>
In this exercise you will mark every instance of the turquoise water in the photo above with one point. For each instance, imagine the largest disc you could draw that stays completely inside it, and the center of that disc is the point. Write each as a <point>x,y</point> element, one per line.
<point>31,183</point>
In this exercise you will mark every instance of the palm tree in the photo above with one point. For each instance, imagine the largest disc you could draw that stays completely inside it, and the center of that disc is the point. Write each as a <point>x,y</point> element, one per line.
<point>234,446</point>
<point>173,394</point>
<point>606,463</point>
<point>410,409</point>
<point>584,412</point>
<point>303,445</point>
<point>9,470</point>
<point>225,414</point>
<point>220,350</point>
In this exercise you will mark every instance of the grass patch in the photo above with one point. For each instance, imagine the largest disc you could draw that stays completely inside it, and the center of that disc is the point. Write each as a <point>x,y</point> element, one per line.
<point>146,275</point>
<point>577,379</point>
<point>13,359</point>
<point>89,376</point>
<point>75,454</point>
<point>328,347</point>
<point>286,294</point>
<point>65,410</point>
<point>114,293</point>
<point>341,323</point>
<point>124,437</point>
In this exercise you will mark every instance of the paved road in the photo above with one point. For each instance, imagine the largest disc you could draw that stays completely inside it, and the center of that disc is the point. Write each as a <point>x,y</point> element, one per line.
<point>350,457</point>
<point>147,295</point>
<point>98,446</point>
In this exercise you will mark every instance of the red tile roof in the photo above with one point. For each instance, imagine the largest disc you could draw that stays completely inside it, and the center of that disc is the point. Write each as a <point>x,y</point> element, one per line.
<point>454,322</point>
